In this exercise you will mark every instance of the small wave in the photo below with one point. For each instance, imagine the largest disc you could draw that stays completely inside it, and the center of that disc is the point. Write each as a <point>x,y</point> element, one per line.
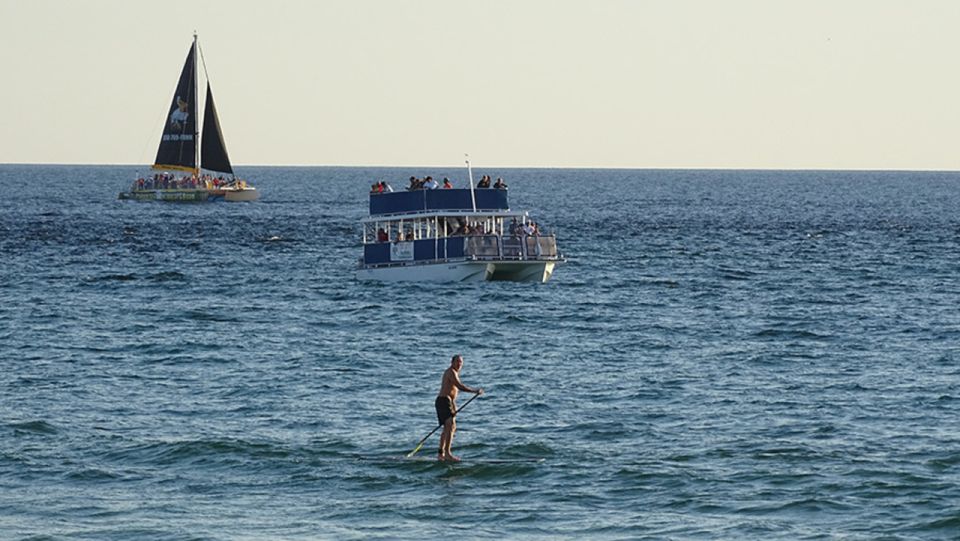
<point>949,525</point>
<point>736,274</point>
<point>813,505</point>
<point>531,449</point>
<point>227,452</point>
<point>92,474</point>
<point>199,315</point>
<point>787,333</point>
<point>113,278</point>
<point>807,505</point>
<point>275,239</point>
<point>945,463</point>
<point>781,453</point>
<point>168,276</point>
<point>663,282</point>
<point>37,427</point>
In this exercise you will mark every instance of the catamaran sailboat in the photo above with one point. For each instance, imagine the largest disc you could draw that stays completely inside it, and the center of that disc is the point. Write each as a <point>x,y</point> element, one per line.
<point>191,166</point>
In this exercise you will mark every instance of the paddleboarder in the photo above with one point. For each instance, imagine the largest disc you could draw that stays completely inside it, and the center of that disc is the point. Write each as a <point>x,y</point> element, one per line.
<point>446,404</point>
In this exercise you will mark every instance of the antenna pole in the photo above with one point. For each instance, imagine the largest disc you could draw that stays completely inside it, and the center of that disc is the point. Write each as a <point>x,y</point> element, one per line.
<point>473,197</point>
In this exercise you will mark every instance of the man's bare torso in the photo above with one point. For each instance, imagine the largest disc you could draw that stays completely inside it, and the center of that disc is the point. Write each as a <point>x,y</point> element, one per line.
<point>448,385</point>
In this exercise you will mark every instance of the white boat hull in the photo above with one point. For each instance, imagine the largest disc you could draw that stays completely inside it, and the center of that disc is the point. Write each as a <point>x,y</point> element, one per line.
<point>524,271</point>
<point>462,271</point>
<point>245,194</point>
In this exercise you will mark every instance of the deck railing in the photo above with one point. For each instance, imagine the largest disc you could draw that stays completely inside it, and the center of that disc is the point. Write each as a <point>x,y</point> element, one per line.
<point>482,247</point>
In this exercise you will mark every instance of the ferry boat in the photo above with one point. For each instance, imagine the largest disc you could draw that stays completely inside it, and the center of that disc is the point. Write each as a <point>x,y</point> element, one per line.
<point>453,235</point>
<point>184,153</point>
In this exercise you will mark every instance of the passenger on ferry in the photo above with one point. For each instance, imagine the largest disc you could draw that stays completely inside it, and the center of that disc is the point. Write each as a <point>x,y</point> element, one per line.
<point>446,184</point>
<point>381,187</point>
<point>484,182</point>
<point>414,184</point>
<point>500,185</point>
<point>430,184</point>
<point>530,228</point>
<point>514,228</point>
<point>382,235</point>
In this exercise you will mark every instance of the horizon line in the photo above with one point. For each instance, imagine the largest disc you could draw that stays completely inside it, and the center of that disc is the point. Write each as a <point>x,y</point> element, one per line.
<point>565,167</point>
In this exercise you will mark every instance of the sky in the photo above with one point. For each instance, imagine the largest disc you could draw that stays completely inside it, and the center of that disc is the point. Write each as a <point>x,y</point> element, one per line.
<point>742,84</point>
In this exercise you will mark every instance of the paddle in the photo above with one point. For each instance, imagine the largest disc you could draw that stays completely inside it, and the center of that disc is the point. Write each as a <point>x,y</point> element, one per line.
<point>420,445</point>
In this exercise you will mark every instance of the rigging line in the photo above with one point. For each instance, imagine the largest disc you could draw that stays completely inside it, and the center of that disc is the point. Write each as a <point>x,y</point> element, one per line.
<point>151,139</point>
<point>203,61</point>
<point>201,115</point>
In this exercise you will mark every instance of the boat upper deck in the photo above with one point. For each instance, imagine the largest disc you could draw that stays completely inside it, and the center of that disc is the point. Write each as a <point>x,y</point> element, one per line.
<point>454,199</point>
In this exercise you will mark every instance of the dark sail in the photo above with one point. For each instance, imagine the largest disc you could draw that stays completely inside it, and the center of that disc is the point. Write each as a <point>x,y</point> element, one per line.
<point>178,144</point>
<point>213,153</point>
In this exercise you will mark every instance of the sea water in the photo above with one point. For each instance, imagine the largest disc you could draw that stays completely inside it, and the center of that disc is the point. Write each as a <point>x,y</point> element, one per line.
<point>725,355</point>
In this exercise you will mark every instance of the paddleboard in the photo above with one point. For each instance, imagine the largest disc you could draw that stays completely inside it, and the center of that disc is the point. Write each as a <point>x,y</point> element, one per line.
<point>466,460</point>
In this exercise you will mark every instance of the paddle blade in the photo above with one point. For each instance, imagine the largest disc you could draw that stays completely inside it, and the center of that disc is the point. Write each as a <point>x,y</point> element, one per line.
<point>411,453</point>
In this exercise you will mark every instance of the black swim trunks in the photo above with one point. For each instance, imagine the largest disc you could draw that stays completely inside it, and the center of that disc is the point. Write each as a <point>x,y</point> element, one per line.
<point>444,408</point>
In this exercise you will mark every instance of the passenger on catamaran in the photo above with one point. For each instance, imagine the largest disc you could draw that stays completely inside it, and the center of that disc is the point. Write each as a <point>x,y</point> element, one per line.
<point>446,183</point>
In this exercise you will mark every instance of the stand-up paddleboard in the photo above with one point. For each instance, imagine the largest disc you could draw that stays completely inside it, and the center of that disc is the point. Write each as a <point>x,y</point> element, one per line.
<point>481,460</point>
<point>469,461</point>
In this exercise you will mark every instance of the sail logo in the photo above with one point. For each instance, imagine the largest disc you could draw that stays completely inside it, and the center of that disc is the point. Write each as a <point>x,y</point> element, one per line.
<point>178,118</point>
<point>177,137</point>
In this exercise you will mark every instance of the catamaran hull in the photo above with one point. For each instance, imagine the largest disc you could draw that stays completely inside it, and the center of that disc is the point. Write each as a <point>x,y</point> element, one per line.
<point>464,271</point>
<point>174,196</point>
<point>524,271</point>
<point>191,196</point>
<point>247,194</point>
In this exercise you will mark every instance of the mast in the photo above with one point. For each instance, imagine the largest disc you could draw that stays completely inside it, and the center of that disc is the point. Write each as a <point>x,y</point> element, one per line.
<point>196,125</point>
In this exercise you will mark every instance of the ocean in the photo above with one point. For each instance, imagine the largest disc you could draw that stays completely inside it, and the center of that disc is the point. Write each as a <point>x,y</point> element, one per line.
<point>725,355</point>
